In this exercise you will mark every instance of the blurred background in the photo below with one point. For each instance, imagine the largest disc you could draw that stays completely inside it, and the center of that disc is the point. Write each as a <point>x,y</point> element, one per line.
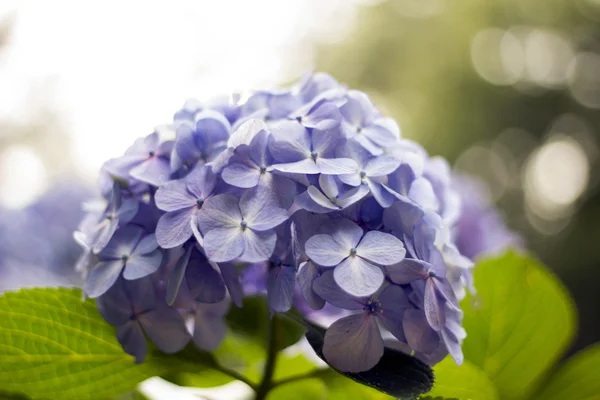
<point>508,91</point>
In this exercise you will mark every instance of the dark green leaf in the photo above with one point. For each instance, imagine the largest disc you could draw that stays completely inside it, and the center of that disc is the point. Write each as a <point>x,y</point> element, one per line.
<point>396,374</point>
<point>518,325</point>
<point>577,379</point>
<point>252,320</point>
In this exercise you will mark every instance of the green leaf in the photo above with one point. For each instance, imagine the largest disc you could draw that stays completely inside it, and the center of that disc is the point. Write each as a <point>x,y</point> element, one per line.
<point>341,388</point>
<point>519,324</point>
<point>312,389</point>
<point>55,346</point>
<point>461,382</point>
<point>577,379</point>
<point>293,365</point>
<point>252,320</point>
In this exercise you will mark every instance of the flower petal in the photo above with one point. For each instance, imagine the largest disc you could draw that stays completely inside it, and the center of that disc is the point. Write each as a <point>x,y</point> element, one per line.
<point>304,166</point>
<point>353,343</point>
<point>246,132</point>
<point>325,251</point>
<point>204,281</point>
<point>223,244</point>
<point>382,166</point>
<point>305,202</point>
<point>147,245</point>
<point>166,328</point>
<point>319,198</point>
<point>336,166</point>
<point>394,303</point>
<point>174,228</point>
<point>232,282</point>
<point>177,275</point>
<point>132,339</point>
<point>268,218</point>
<point>289,142</point>
<point>209,330</point>
<point>307,273</point>
<point>173,196</point>
<point>102,277</point>
<point>419,335</point>
<point>326,288</point>
<point>434,306</point>
<point>241,175</point>
<point>381,248</point>
<point>358,277</point>
<point>154,171</point>
<point>280,287</point>
<point>258,246</point>
<point>142,265</point>
<point>221,211</point>
<point>352,196</point>
<point>408,270</point>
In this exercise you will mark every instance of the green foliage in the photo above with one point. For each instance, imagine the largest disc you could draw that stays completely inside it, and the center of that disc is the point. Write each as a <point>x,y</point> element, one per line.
<point>300,390</point>
<point>518,325</point>
<point>464,382</point>
<point>55,346</point>
<point>577,379</point>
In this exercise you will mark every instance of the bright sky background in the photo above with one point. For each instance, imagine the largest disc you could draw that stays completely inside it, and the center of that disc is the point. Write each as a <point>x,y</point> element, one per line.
<point>118,69</point>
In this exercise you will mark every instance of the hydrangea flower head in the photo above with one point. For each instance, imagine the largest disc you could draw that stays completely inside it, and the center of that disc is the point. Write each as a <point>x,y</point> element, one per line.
<point>311,195</point>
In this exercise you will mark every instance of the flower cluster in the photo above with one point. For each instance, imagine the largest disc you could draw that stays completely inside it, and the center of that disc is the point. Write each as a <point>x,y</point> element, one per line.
<point>311,190</point>
<point>36,244</point>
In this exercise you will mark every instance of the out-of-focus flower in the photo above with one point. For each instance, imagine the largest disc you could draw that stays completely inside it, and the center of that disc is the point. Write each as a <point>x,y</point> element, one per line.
<point>480,229</point>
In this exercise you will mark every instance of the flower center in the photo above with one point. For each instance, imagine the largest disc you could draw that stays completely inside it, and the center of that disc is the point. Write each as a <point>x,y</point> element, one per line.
<point>200,203</point>
<point>314,155</point>
<point>373,307</point>
<point>362,174</point>
<point>263,169</point>
<point>151,154</point>
<point>132,317</point>
<point>244,225</point>
<point>353,251</point>
<point>124,258</point>
<point>432,274</point>
<point>299,118</point>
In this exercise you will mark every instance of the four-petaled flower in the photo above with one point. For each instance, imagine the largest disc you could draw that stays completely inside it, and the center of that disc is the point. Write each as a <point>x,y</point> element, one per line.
<point>356,256</point>
<point>183,200</point>
<point>133,308</point>
<point>130,250</point>
<point>354,343</point>
<point>241,229</point>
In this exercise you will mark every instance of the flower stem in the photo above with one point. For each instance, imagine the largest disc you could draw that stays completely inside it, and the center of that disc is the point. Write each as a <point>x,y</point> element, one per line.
<point>234,375</point>
<point>267,379</point>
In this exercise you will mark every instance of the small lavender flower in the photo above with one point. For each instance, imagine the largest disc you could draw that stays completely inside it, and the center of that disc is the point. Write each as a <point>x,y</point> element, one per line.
<point>304,152</point>
<point>200,140</point>
<point>330,195</point>
<point>356,256</point>
<point>372,171</point>
<point>354,343</point>
<point>97,229</point>
<point>183,200</point>
<point>147,160</point>
<point>241,229</point>
<point>363,124</point>
<point>251,165</point>
<point>132,307</point>
<point>130,250</point>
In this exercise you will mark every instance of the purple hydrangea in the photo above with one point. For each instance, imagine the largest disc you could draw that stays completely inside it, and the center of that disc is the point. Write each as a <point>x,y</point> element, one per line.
<point>310,195</point>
